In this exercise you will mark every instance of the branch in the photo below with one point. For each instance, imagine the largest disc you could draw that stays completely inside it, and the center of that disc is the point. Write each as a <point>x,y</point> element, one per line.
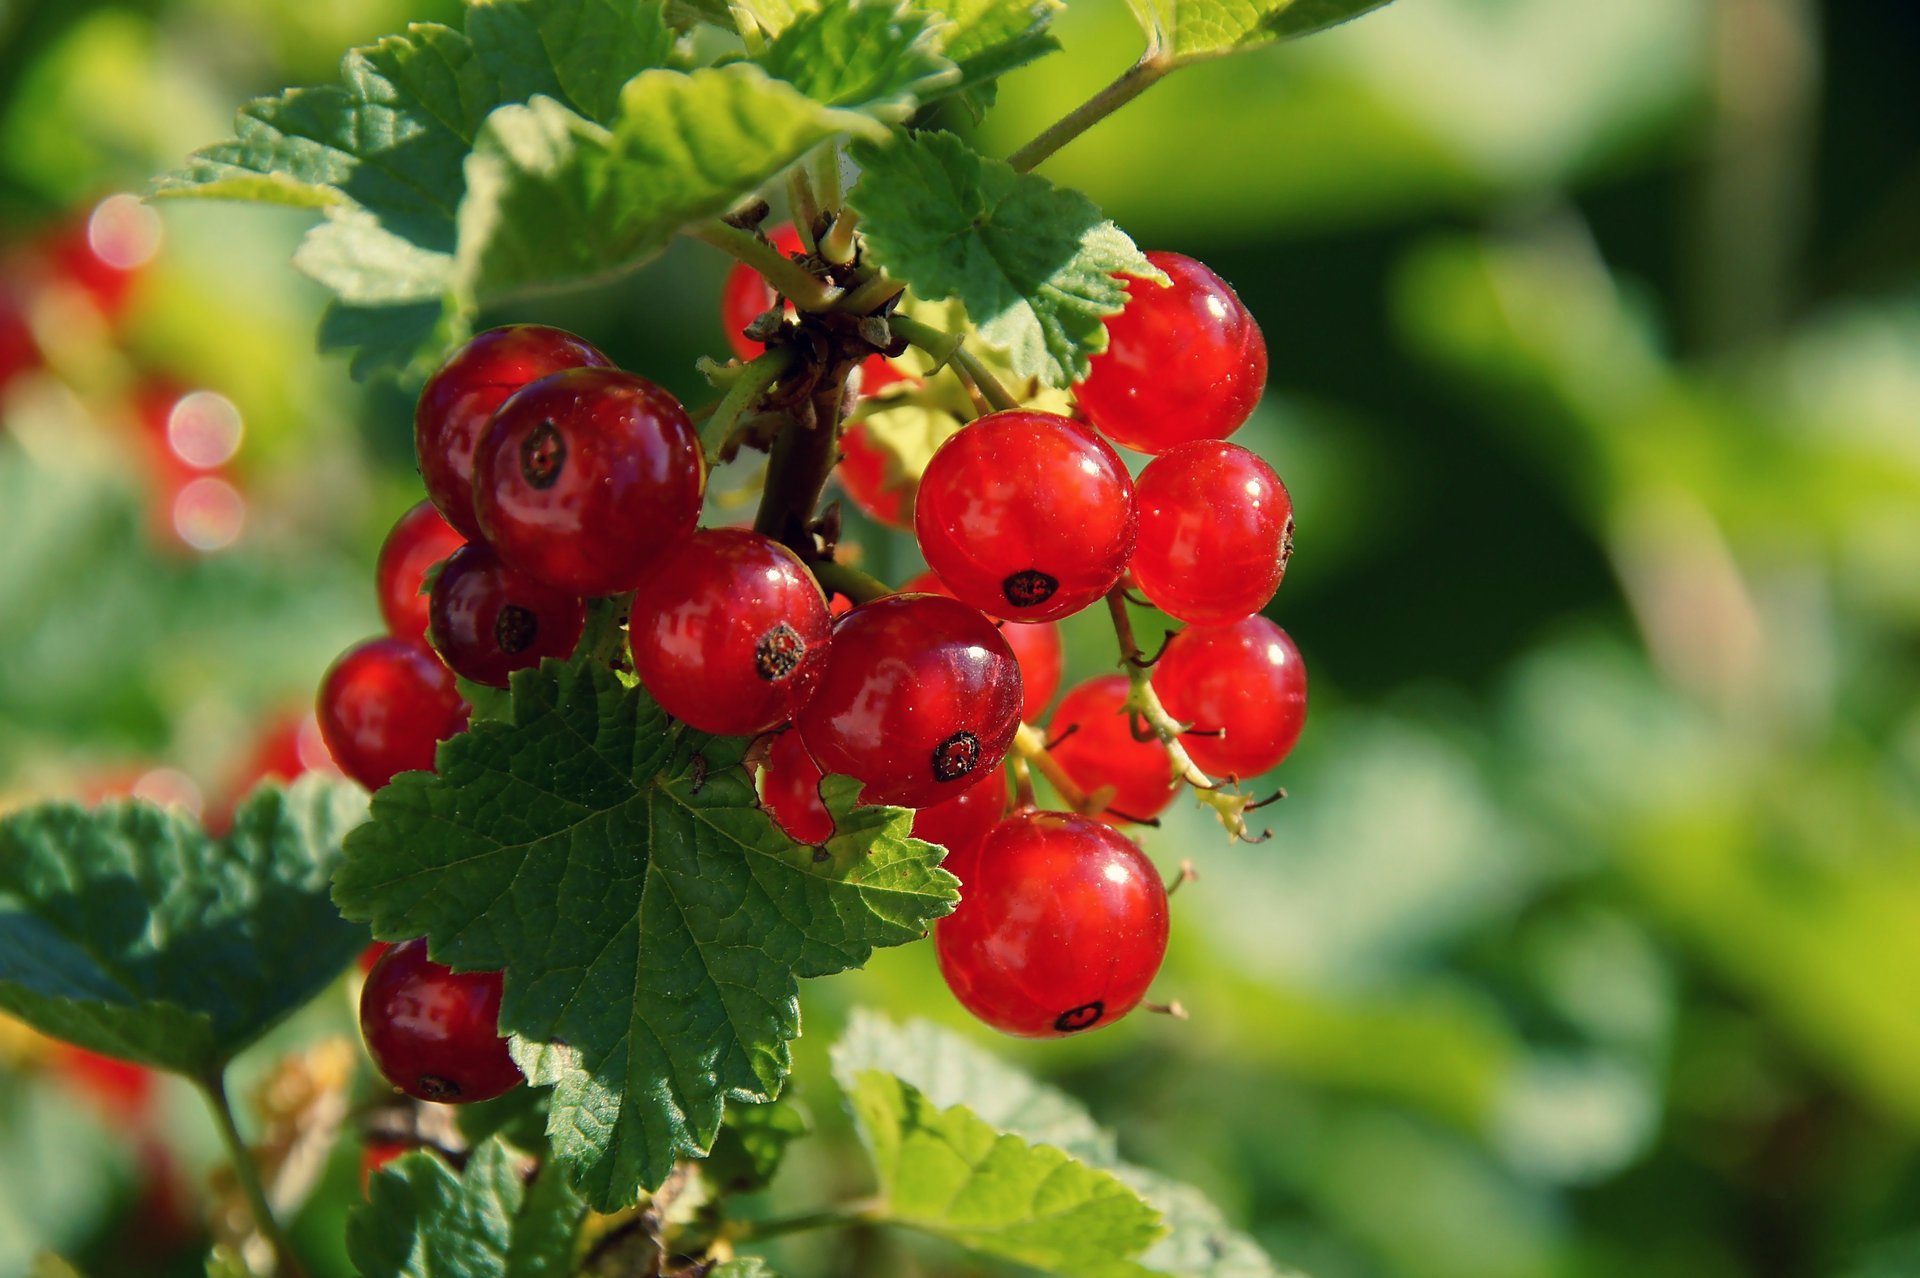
<point>788,278</point>
<point>750,382</point>
<point>214,1088</point>
<point>1136,80</point>
<point>845,579</point>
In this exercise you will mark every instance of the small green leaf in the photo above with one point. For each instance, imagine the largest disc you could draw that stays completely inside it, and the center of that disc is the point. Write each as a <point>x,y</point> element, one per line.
<point>742,1267</point>
<point>989,38</point>
<point>130,931</point>
<point>878,56</point>
<point>1036,267</point>
<point>652,921</point>
<point>1188,30</point>
<point>953,1072</point>
<point>421,1220</point>
<point>752,1142</point>
<point>554,197</point>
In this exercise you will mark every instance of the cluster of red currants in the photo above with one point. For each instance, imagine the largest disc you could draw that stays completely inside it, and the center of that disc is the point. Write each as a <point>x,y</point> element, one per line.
<point>554,478</point>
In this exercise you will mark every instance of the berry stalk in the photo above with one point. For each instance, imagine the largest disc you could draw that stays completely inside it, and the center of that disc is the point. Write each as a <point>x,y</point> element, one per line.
<point>950,349</point>
<point>791,280</point>
<point>214,1088</point>
<point>750,382</point>
<point>1133,82</point>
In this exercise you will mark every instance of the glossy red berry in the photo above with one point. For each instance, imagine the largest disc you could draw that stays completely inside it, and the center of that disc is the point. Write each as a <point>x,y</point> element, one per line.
<point>584,477</point>
<point>790,792</point>
<point>1216,531</point>
<point>459,400</point>
<point>920,693</point>
<point>1061,927</point>
<point>433,1032</point>
<point>960,824</point>
<point>489,620</point>
<point>1027,516</point>
<point>1095,746</point>
<point>419,541</point>
<point>384,706</point>
<point>1182,363</point>
<point>374,952</point>
<point>1244,682</point>
<point>873,480</point>
<point>1036,646</point>
<point>730,634</point>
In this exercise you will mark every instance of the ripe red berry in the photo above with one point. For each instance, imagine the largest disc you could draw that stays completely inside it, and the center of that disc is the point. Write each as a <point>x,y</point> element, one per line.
<point>419,541</point>
<point>1182,363</point>
<point>457,402</point>
<point>433,1032</point>
<point>731,633</point>
<point>376,1154</point>
<point>790,792</point>
<point>384,706</point>
<point>1025,515</point>
<point>1095,746</point>
<point>1243,681</point>
<point>868,475</point>
<point>489,621</point>
<point>584,477</point>
<point>1216,531</point>
<point>1062,926</point>
<point>920,693</point>
<point>372,954</point>
<point>19,352</point>
<point>1036,646</point>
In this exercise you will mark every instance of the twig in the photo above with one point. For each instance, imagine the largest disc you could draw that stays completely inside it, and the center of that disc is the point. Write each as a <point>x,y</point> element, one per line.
<point>749,383</point>
<point>1136,80</point>
<point>788,278</point>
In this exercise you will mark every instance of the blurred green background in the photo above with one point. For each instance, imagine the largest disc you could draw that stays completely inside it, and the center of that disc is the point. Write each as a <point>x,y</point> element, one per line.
<point>1588,941</point>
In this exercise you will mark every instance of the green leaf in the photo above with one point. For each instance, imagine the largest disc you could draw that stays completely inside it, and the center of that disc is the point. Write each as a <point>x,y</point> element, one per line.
<point>949,1071</point>
<point>878,56</point>
<point>1193,29</point>
<point>519,1117</point>
<point>1035,266</point>
<point>129,931</point>
<point>579,51</point>
<point>554,197</point>
<point>742,1267</point>
<point>948,1173</point>
<point>752,1142</point>
<point>651,920</point>
<point>989,38</point>
<point>421,1220</point>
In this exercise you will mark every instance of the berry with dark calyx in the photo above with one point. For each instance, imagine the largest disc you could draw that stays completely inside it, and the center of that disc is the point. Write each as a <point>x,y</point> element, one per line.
<point>1036,646</point>
<point>1216,531</point>
<point>421,539</point>
<point>1026,515</point>
<point>489,620</point>
<point>459,400</point>
<point>790,792</point>
<point>1094,744</point>
<point>433,1032</point>
<point>730,634</point>
<point>1242,687</point>
<point>1182,363</point>
<point>1061,927</point>
<point>585,477</point>
<point>383,708</point>
<point>919,694</point>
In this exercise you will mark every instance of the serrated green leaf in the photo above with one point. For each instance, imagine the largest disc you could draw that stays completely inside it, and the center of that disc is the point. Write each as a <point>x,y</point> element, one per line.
<point>989,38</point>
<point>742,1267</point>
<point>878,56</point>
<point>1035,266</point>
<point>421,1220</point>
<point>1188,30</point>
<point>579,51</point>
<point>519,1117</point>
<point>404,340</point>
<point>948,1173</point>
<point>651,920</point>
<point>752,1142</point>
<point>950,1071</point>
<point>554,197</point>
<point>129,931</point>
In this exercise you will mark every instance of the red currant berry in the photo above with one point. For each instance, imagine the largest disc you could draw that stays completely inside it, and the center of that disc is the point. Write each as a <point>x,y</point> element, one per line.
<point>457,402</point>
<point>1245,685</point>
<point>489,621</point>
<point>376,1154</point>
<point>1062,926</point>
<point>919,693</point>
<point>872,480</point>
<point>1095,746</point>
<point>374,952</point>
<point>1182,363</point>
<point>434,1032</point>
<point>585,476</point>
<point>19,352</point>
<point>1027,516</point>
<point>730,634</point>
<point>384,706</point>
<point>419,541</point>
<point>1036,646</point>
<point>960,824</point>
<point>790,791</point>
<point>1216,531</point>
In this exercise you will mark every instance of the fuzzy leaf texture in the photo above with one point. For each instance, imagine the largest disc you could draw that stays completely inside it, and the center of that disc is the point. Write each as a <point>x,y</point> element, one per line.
<point>1035,266</point>
<point>131,931</point>
<point>423,1220</point>
<point>947,1071</point>
<point>652,921</point>
<point>873,56</point>
<point>1188,30</point>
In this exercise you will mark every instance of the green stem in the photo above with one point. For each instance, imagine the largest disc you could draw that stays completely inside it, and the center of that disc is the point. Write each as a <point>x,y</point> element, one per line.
<point>806,209</point>
<point>214,1088</point>
<point>877,291</point>
<point>748,385</point>
<point>837,245</point>
<point>1136,80</point>
<point>949,348</point>
<point>828,184</point>
<point>843,1216</point>
<point>861,587</point>
<point>789,279</point>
